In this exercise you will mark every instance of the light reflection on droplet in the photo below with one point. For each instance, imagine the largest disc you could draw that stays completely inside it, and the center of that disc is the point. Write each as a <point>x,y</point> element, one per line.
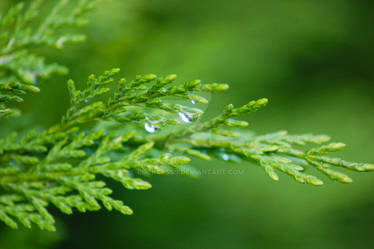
<point>225,157</point>
<point>150,128</point>
<point>86,101</point>
<point>184,117</point>
<point>193,102</point>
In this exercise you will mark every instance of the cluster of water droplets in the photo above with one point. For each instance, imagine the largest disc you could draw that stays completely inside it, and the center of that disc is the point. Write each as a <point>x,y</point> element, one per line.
<point>151,128</point>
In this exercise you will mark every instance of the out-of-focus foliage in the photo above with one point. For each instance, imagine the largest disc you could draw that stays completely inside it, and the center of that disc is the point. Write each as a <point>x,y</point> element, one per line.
<point>59,166</point>
<point>21,32</point>
<point>31,239</point>
<point>312,59</point>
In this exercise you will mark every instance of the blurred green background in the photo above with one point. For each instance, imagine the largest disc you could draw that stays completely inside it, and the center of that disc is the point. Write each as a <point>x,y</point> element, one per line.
<point>312,59</point>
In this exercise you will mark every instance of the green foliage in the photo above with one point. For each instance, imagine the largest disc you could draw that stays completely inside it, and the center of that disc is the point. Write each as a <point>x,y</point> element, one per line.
<point>21,32</point>
<point>125,131</point>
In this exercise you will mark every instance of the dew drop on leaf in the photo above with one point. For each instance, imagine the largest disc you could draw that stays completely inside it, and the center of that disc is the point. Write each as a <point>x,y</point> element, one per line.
<point>193,102</point>
<point>184,117</point>
<point>225,157</point>
<point>150,128</point>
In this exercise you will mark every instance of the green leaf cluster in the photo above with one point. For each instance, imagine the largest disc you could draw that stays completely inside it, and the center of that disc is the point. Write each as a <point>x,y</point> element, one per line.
<point>125,131</point>
<point>21,33</point>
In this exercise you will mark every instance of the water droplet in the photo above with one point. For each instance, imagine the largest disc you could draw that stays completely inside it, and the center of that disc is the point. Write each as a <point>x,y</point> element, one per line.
<point>171,151</point>
<point>225,157</point>
<point>193,102</point>
<point>184,117</point>
<point>86,101</point>
<point>11,163</point>
<point>150,128</point>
